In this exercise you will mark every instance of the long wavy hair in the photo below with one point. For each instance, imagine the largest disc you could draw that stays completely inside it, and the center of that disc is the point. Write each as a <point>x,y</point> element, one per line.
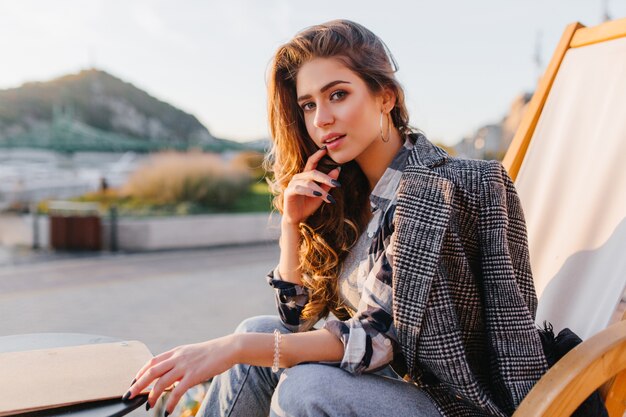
<point>329,233</point>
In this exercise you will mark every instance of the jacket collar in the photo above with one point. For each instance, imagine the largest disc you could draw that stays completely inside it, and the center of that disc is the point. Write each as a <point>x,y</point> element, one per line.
<point>425,153</point>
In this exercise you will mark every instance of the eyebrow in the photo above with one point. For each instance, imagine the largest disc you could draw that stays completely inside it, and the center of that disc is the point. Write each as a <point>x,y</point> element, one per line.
<point>326,87</point>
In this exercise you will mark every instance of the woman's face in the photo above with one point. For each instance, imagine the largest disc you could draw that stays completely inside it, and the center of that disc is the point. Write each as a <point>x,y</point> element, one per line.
<point>339,110</point>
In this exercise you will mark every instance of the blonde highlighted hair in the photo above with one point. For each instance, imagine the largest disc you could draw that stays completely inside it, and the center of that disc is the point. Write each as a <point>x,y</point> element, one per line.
<point>329,233</point>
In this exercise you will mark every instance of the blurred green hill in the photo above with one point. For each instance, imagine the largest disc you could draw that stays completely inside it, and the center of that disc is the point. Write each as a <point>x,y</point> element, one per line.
<point>93,110</point>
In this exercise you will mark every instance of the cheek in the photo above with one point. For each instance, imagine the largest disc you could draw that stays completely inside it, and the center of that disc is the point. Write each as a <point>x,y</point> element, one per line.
<point>362,117</point>
<point>362,109</point>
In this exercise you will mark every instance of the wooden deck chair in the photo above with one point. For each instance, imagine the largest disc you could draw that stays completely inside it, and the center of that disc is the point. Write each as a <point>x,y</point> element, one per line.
<point>568,160</point>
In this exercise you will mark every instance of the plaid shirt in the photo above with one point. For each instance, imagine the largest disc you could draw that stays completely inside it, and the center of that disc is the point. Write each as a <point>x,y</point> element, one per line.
<point>369,337</point>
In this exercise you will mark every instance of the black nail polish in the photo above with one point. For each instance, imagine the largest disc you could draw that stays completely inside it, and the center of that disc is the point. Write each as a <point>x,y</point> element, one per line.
<point>335,183</point>
<point>126,396</point>
<point>134,380</point>
<point>331,199</point>
<point>317,193</point>
<point>147,405</point>
<point>167,413</point>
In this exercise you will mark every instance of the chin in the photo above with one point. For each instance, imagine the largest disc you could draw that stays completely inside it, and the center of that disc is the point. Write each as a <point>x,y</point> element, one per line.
<point>341,158</point>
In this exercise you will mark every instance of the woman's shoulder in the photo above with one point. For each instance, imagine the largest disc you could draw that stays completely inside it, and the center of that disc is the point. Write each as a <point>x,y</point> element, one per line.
<point>481,167</point>
<point>460,171</point>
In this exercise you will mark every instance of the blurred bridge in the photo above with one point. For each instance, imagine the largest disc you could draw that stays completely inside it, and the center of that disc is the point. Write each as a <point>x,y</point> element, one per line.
<point>66,134</point>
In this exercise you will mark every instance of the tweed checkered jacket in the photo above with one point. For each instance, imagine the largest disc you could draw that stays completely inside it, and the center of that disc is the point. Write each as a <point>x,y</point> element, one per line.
<point>463,296</point>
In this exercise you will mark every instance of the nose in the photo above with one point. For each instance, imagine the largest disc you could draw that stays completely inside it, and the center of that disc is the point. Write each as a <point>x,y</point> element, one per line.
<point>323,116</point>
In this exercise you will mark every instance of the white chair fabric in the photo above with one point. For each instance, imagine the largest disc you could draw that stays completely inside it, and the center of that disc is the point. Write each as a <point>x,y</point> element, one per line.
<point>572,185</point>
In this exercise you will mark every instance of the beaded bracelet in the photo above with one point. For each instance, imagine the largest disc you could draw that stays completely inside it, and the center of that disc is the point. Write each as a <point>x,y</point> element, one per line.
<point>277,338</point>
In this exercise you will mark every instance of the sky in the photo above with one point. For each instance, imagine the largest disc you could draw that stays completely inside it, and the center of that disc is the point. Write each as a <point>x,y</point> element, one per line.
<point>461,62</point>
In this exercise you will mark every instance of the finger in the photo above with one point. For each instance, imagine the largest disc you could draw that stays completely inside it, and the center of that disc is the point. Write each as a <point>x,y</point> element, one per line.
<point>176,395</point>
<point>309,191</point>
<point>164,382</point>
<point>334,174</point>
<point>148,377</point>
<point>316,191</point>
<point>155,360</point>
<point>319,177</point>
<point>322,191</point>
<point>331,180</point>
<point>326,178</point>
<point>311,163</point>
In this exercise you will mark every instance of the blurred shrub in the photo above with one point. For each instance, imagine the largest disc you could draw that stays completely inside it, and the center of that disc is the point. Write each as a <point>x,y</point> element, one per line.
<point>252,161</point>
<point>196,178</point>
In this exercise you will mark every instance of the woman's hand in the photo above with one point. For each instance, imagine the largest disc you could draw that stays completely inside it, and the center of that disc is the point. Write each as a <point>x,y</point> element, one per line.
<point>187,366</point>
<point>308,190</point>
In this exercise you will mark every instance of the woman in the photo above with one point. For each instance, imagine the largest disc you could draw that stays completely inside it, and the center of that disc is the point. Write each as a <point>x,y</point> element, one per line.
<point>421,257</point>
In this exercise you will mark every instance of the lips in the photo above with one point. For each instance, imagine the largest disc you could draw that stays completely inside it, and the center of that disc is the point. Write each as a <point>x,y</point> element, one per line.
<point>331,137</point>
<point>334,142</point>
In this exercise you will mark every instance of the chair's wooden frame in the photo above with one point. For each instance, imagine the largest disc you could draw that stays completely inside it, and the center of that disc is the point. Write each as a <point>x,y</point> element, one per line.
<point>599,362</point>
<point>576,35</point>
<point>583,370</point>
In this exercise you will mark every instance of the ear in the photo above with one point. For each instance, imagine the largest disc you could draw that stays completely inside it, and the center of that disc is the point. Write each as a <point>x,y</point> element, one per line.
<point>388,97</point>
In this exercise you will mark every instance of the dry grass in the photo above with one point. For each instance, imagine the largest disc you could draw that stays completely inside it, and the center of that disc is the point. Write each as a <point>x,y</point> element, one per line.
<point>201,178</point>
<point>252,161</point>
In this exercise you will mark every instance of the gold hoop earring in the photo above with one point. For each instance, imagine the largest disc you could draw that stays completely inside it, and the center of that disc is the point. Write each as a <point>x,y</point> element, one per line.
<point>381,128</point>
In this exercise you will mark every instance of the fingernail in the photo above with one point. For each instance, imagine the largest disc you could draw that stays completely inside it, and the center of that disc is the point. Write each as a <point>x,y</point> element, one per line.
<point>126,396</point>
<point>134,380</point>
<point>323,147</point>
<point>317,193</point>
<point>167,413</point>
<point>331,199</point>
<point>147,405</point>
<point>335,183</point>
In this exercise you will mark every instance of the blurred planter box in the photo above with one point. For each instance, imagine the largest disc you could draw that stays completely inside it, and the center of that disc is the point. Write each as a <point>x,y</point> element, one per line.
<point>75,226</point>
<point>154,233</point>
<point>186,232</point>
<point>18,230</point>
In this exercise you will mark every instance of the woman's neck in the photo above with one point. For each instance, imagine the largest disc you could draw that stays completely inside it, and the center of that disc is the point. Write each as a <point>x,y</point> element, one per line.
<point>378,156</point>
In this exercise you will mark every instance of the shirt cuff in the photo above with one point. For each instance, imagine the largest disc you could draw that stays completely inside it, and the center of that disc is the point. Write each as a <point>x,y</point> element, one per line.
<point>363,352</point>
<point>285,289</point>
<point>290,301</point>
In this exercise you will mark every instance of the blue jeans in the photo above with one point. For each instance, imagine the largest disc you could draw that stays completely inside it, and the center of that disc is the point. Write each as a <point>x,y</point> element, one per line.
<point>309,389</point>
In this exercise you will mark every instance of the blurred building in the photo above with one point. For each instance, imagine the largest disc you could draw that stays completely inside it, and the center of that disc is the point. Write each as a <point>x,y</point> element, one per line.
<point>491,141</point>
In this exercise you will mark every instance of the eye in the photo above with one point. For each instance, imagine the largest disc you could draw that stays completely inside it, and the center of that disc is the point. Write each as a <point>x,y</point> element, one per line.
<point>338,95</point>
<point>307,106</point>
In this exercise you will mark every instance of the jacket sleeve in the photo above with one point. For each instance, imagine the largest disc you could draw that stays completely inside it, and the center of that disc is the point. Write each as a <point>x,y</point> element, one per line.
<point>369,337</point>
<point>508,288</point>
<point>290,300</point>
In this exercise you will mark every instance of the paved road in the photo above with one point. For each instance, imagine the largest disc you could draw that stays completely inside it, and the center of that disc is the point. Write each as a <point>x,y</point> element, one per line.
<point>163,299</point>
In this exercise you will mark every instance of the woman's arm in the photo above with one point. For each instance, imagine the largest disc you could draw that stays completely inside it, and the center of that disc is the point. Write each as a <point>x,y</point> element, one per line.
<point>306,192</point>
<point>303,196</point>
<point>190,365</point>
<point>313,346</point>
<point>289,264</point>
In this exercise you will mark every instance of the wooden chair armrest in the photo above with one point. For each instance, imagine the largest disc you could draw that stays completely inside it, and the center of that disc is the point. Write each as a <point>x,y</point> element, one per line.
<point>572,379</point>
